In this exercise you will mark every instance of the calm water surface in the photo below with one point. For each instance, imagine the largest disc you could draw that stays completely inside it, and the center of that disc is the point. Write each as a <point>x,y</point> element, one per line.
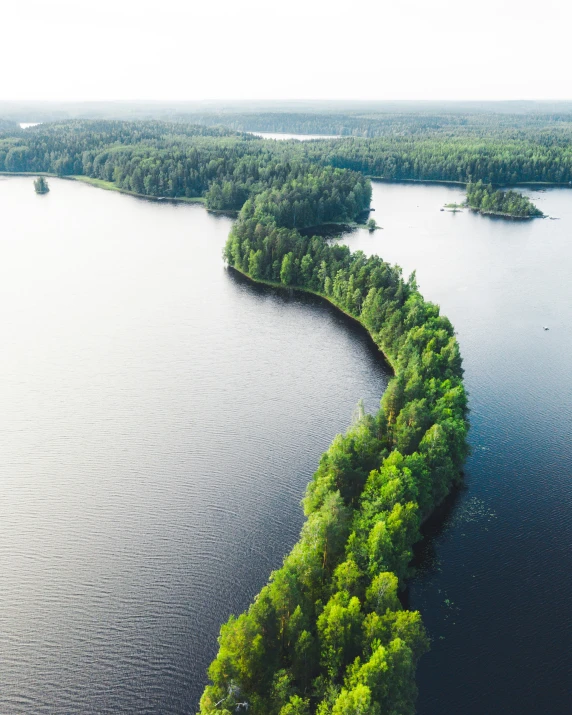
<point>301,137</point>
<point>161,418</point>
<point>495,586</point>
<point>159,422</point>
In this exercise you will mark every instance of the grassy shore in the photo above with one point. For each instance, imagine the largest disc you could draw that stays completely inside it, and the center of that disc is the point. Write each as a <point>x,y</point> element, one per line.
<point>108,185</point>
<point>27,173</point>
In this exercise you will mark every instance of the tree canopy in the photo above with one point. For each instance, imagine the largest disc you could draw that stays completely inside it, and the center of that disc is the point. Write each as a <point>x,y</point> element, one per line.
<point>504,203</point>
<point>41,185</point>
<point>328,634</point>
<point>227,168</point>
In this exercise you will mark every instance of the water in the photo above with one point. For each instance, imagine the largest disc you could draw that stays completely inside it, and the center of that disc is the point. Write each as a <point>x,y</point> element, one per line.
<point>160,420</point>
<point>496,577</point>
<point>299,137</point>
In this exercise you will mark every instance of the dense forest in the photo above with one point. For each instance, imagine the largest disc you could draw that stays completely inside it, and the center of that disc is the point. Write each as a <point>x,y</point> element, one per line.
<point>503,203</point>
<point>328,634</point>
<point>388,123</point>
<point>226,167</point>
<point>175,160</point>
<point>501,161</point>
<point>8,126</point>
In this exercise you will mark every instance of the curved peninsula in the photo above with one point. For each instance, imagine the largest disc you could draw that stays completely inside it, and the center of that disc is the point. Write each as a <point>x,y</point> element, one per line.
<point>328,635</point>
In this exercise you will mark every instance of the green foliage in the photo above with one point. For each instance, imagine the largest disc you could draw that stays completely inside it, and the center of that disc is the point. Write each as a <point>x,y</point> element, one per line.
<point>182,160</point>
<point>296,706</point>
<point>227,168</point>
<point>41,185</point>
<point>287,269</point>
<point>334,637</point>
<point>505,203</point>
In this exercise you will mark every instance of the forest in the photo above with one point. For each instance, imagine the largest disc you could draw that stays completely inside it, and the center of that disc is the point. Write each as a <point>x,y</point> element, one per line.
<point>173,160</point>
<point>501,203</point>
<point>226,167</point>
<point>8,126</point>
<point>391,119</point>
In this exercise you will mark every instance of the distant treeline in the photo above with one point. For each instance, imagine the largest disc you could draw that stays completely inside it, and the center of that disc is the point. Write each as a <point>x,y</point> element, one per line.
<point>328,635</point>
<point>517,111</point>
<point>389,123</point>
<point>320,124</point>
<point>7,125</point>
<point>184,160</point>
<point>493,160</point>
<point>504,203</point>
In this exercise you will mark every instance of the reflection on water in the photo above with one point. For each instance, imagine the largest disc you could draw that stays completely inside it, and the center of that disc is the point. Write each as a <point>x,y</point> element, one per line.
<point>495,582</point>
<point>280,136</point>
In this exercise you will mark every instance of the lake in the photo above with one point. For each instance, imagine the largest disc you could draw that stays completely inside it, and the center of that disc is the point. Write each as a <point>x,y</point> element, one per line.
<point>283,137</point>
<point>162,418</point>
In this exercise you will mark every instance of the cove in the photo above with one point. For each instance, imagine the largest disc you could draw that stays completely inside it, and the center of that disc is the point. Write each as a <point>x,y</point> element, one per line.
<point>163,419</point>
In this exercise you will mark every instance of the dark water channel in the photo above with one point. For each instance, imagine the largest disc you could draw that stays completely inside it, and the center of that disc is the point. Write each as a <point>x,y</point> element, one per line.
<point>495,586</point>
<point>160,418</point>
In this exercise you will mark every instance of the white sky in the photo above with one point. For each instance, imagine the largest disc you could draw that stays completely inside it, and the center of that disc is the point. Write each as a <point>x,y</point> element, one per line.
<point>299,49</point>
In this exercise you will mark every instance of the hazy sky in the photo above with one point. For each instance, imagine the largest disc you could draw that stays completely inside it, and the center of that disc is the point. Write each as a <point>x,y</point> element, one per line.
<point>306,49</point>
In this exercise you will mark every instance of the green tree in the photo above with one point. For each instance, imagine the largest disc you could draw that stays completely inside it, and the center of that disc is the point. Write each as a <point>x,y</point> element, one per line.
<point>41,185</point>
<point>287,269</point>
<point>339,627</point>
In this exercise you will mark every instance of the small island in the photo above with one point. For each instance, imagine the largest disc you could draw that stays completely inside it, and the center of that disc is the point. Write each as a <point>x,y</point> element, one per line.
<point>454,207</point>
<point>41,185</point>
<point>509,204</point>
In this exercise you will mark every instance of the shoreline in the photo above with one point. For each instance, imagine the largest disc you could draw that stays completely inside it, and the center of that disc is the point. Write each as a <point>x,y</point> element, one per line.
<point>307,291</point>
<point>445,182</point>
<point>500,214</point>
<point>110,186</point>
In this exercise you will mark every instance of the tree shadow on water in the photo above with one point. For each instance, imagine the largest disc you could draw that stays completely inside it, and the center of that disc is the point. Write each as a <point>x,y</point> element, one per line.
<point>296,296</point>
<point>425,560</point>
